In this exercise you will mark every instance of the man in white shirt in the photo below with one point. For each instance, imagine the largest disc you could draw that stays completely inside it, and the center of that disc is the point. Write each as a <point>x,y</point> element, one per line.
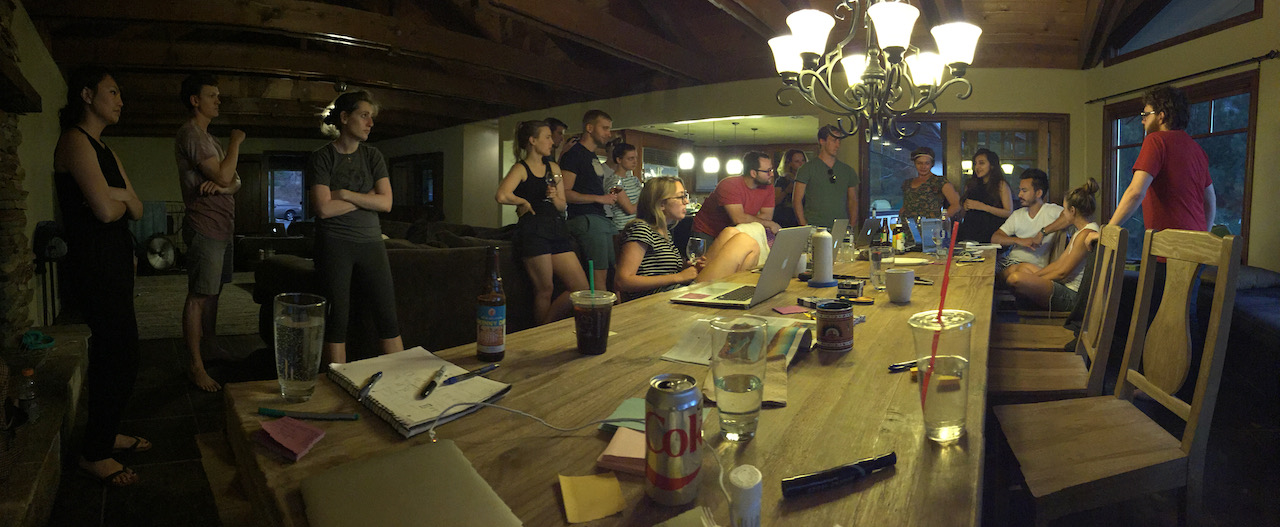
<point>1025,223</point>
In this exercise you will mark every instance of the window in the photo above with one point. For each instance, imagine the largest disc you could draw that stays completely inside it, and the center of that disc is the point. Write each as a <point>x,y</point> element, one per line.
<point>659,163</point>
<point>417,185</point>
<point>286,190</point>
<point>1222,122</point>
<point>1176,22</point>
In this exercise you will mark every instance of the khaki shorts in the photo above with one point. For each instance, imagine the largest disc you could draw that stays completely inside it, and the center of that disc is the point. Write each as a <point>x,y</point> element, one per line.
<point>209,263</point>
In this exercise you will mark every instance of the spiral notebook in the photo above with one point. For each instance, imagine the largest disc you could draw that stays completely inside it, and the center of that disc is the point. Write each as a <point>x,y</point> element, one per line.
<point>395,397</point>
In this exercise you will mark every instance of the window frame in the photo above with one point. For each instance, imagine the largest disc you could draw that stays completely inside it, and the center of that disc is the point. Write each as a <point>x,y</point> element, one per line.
<point>1221,87</point>
<point>1215,27</point>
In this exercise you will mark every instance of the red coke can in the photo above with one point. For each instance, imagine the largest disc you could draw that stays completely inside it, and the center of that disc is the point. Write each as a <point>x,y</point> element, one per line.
<point>673,439</point>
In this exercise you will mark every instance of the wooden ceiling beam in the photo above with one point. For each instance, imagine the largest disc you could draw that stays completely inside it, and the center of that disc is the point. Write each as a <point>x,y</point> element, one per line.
<point>240,59</point>
<point>768,18</point>
<point>1101,18</point>
<point>317,21</point>
<point>592,27</point>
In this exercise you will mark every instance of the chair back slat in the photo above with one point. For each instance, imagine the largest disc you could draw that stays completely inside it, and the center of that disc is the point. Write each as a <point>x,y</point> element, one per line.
<point>1168,348</point>
<point>1184,251</point>
<point>1103,304</point>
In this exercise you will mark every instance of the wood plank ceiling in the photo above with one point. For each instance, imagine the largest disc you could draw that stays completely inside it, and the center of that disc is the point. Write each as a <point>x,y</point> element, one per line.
<point>438,63</point>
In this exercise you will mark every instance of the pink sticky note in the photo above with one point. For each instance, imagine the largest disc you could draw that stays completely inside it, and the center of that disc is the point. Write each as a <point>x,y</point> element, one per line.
<point>790,310</point>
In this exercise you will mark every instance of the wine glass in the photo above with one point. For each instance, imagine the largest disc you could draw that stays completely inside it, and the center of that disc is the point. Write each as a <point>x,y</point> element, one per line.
<point>695,248</point>
<point>553,180</point>
<point>939,233</point>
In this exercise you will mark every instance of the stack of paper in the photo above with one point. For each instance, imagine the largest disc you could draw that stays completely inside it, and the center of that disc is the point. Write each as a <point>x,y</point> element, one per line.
<point>288,437</point>
<point>625,452</point>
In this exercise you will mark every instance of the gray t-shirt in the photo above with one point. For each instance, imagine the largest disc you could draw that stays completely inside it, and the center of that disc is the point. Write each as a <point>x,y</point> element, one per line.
<point>214,215</point>
<point>357,172</point>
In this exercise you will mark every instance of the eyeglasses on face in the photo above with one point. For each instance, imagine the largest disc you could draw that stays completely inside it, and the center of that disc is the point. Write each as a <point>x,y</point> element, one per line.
<point>683,196</point>
<point>765,170</point>
<point>1144,114</point>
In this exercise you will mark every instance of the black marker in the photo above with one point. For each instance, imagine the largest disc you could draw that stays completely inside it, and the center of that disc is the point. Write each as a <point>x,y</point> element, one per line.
<point>834,477</point>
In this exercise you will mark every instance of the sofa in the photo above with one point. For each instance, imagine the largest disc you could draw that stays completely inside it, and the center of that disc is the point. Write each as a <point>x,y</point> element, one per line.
<point>1255,330</point>
<point>438,269</point>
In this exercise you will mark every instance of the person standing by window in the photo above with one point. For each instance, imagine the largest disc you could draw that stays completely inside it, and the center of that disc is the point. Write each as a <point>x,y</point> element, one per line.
<point>349,187</point>
<point>826,189</point>
<point>97,199</point>
<point>987,199</point>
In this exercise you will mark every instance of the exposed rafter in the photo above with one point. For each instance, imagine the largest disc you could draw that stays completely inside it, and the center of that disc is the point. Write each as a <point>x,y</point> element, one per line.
<point>768,18</point>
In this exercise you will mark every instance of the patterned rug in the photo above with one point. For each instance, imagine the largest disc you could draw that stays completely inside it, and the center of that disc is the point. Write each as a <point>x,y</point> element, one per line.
<point>160,300</point>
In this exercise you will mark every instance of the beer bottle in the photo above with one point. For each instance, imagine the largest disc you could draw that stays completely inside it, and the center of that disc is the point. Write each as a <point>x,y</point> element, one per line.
<point>491,315</point>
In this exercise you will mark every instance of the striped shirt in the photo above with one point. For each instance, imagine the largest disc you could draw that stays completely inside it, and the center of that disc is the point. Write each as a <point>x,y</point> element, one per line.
<point>661,257</point>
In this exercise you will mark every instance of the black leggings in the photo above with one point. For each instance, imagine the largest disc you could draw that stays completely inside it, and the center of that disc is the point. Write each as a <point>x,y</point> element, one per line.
<point>100,278</point>
<point>338,263</point>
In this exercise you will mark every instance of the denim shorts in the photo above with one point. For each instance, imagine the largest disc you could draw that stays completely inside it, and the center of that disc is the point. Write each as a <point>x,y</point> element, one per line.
<point>209,263</point>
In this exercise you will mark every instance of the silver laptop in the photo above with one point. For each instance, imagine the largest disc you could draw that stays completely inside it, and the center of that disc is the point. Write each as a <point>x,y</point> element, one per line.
<point>839,229</point>
<point>777,273</point>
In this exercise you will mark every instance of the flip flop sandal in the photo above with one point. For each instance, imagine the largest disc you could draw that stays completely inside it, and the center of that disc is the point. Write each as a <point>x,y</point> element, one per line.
<point>35,340</point>
<point>110,479</point>
<point>135,447</point>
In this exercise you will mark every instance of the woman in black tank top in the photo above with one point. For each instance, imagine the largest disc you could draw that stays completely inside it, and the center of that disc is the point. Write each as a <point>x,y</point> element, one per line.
<point>96,196</point>
<point>542,240</point>
<point>987,200</point>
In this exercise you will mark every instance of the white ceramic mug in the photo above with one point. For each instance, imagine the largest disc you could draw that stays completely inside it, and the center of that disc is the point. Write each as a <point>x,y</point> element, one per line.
<point>899,283</point>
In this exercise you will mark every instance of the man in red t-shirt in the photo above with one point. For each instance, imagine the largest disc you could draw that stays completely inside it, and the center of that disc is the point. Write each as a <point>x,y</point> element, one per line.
<point>1171,177</point>
<point>739,199</point>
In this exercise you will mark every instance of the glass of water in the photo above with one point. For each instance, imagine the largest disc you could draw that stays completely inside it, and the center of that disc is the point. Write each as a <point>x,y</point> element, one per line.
<point>299,328</point>
<point>695,248</point>
<point>881,258</point>
<point>945,402</point>
<point>737,367</point>
<point>938,231</point>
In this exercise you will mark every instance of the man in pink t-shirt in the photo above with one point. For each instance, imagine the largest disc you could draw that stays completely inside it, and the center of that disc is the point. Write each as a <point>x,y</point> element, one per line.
<point>1171,176</point>
<point>740,199</point>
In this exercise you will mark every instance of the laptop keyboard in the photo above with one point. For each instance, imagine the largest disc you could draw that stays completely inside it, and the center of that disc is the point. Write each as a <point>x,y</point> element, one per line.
<point>742,293</point>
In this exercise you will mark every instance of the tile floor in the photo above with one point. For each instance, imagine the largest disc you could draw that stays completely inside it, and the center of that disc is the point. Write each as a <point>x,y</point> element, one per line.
<point>1243,473</point>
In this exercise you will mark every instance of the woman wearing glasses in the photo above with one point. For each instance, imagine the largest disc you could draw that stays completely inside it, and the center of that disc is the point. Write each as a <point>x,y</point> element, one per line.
<point>987,198</point>
<point>542,239</point>
<point>649,263</point>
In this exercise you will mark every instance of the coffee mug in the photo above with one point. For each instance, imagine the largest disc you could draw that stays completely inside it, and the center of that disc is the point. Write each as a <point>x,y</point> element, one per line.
<point>899,283</point>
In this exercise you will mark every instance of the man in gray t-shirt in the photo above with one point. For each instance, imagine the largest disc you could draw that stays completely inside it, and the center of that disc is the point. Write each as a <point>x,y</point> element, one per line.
<point>208,177</point>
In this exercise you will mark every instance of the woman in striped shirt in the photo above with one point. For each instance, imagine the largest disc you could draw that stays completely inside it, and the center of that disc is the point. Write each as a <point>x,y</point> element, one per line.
<point>648,262</point>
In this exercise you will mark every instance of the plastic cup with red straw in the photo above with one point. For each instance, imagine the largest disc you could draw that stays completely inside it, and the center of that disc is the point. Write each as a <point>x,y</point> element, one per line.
<point>942,301</point>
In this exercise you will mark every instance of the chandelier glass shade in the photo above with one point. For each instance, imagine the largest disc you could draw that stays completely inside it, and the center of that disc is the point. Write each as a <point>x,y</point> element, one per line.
<point>887,81</point>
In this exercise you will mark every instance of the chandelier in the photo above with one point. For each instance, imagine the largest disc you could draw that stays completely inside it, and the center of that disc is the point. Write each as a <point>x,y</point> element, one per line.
<point>891,79</point>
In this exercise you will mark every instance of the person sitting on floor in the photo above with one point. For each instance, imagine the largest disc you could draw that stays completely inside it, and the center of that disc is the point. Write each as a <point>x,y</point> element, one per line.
<point>649,263</point>
<point>1056,285</point>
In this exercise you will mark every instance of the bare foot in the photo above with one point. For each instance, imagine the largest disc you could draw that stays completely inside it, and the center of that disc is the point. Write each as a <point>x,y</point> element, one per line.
<point>110,472</point>
<point>126,443</point>
<point>203,380</point>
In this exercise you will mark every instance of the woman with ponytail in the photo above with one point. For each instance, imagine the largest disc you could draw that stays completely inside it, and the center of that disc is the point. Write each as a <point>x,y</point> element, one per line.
<point>1056,286</point>
<point>349,187</point>
<point>542,239</point>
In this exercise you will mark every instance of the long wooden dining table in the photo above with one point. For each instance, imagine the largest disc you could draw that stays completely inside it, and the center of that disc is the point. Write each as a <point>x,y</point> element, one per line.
<point>840,408</point>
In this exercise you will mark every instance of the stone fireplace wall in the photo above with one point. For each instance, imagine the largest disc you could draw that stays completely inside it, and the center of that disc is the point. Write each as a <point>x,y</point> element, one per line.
<point>16,255</point>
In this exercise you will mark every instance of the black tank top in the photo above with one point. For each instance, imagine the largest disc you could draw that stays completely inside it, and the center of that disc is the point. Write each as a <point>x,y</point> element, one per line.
<point>77,218</point>
<point>534,190</point>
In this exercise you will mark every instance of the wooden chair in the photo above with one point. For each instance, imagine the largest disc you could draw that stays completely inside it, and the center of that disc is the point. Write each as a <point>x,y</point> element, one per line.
<point>1080,454</point>
<point>1029,375</point>
<point>1037,329</point>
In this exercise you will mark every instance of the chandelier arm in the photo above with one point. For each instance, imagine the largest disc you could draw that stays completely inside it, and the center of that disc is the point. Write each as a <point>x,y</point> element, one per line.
<point>826,88</point>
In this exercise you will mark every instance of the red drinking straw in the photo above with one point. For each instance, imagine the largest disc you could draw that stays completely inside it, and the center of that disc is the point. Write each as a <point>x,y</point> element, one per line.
<point>946,278</point>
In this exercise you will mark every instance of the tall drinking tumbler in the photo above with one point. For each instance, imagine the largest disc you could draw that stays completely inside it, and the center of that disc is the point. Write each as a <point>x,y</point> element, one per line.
<point>944,404</point>
<point>299,325</point>
<point>737,367</point>
<point>591,313</point>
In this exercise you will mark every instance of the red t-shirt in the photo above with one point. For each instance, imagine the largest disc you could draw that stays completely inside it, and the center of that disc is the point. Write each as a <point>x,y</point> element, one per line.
<point>712,218</point>
<point>1179,170</point>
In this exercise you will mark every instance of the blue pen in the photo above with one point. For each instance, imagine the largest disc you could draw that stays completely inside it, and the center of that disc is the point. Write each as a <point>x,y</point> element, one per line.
<point>470,374</point>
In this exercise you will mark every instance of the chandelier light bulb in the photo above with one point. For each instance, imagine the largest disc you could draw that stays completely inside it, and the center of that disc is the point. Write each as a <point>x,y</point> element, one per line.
<point>685,161</point>
<point>733,167</point>
<point>711,165</point>
<point>926,68</point>
<point>786,54</point>
<point>956,42</point>
<point>854,66</point>
<point>893,22</point>
<point>810,28</point>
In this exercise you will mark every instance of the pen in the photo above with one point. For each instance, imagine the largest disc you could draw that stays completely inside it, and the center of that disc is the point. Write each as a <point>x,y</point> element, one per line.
<point>470,374</point>
<point>431,384</point>
<point>901,366</point>
<point>272,412</point>
<point>368,387</point>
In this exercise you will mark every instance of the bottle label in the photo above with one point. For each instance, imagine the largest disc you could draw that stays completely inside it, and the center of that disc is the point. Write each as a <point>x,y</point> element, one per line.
<point>491,329</point>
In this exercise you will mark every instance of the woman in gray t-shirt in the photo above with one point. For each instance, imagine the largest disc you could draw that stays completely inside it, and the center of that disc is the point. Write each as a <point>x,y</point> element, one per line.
<point>349,187</point>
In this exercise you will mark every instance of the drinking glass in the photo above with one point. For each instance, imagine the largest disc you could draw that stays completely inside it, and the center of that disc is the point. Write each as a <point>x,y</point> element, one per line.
<point>880,256</point>
<point>737,368</point>
<point>944,402</point>
<point>299,329</point>
<point>695,248</point>
<point>553,181</point>
<point>938,232</point>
